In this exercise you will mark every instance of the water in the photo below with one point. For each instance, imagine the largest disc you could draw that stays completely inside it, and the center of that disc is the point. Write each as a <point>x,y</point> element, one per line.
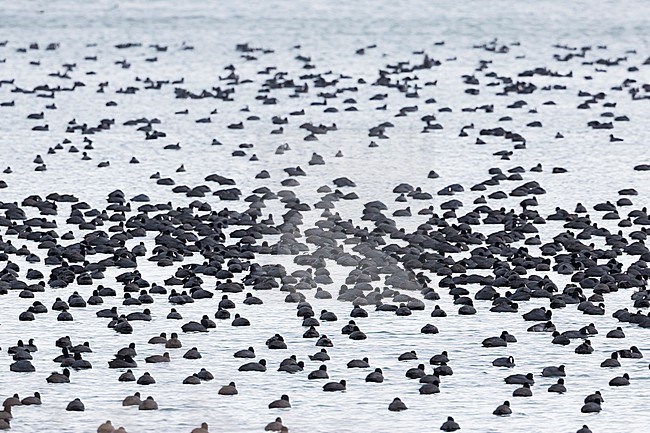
<point>330,33</point>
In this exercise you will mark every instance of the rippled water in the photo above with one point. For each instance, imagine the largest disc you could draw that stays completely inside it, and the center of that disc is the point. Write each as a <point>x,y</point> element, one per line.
<point>330,33</point>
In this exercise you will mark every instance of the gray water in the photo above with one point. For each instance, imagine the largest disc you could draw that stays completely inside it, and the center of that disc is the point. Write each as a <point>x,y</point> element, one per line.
<point>330,33</point>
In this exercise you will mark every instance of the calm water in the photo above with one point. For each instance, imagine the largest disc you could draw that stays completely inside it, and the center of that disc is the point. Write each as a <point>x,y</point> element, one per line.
<point>329,33</point>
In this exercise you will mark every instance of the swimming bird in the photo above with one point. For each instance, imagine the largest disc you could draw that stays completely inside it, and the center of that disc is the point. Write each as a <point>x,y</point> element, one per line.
<point>56,377</point>
<point>245,353</point>
<point>632,352</point>
<point>376,376</point>
<point>503,409</point>
<point>146,379</point>
<point>500,341</point>
<point>173,342</point>
<point>595,397</point>
<point>202,429</point>
<point>275,425</point>
<point>450,425</point>
<point>397,405</point>
<point>320,356</point>
<point>254,366</point>
<point>335,386</point>
<point>192,380</point>
<point>439,358</point>
<point>620,380</point>
<point>524,391</point>
<point>429,388</point>
<point>5,414</point>
<point>359,363</point>
<point>32,400</point>
<point>584,348</point>
<point>193,353</point>
<point>612,361</point>
<point>282,403</point>
<point>157,358</point>
<point>554,371</point>
<point>75,406</point>
<point>507,361</point>
<point>616,333</point>
<point>148,404</point>
<point>123,362</point>
<point>229,389</point>
<point>106,427</point>
<point>591,407</point>
<point>408,356</point>
<point>320,373</point>
<point>416,372</point>
<point>132,400</point>
<point>128,376</point>
<point>520,379</point>
<point>558,387</point>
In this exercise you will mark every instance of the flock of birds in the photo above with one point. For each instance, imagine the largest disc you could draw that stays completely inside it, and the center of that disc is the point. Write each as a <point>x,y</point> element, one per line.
<point>471,252</point>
